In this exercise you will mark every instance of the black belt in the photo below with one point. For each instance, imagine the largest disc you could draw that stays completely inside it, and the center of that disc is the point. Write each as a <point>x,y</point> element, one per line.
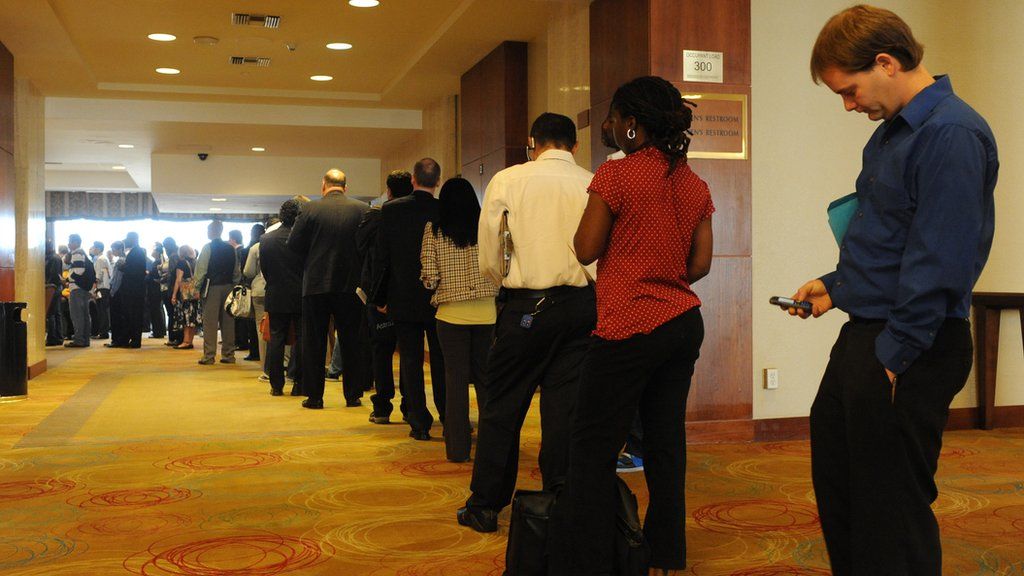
<point>528,294</point>
<point>862,320</point>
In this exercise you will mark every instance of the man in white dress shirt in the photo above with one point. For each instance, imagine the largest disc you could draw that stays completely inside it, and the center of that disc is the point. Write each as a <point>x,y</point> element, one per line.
<point>546,313</point>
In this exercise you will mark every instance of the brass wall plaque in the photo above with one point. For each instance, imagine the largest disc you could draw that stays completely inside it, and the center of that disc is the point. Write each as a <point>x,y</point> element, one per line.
<point>719,126</point>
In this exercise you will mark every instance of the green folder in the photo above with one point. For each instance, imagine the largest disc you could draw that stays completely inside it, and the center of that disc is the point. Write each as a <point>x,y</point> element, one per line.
<point>840,212</point>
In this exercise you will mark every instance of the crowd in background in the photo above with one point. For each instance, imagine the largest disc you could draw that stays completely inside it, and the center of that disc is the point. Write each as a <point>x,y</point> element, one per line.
<point>502,296</point>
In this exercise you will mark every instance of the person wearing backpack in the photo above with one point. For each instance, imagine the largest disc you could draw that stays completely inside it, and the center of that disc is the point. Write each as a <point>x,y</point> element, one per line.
<point>82,278</point>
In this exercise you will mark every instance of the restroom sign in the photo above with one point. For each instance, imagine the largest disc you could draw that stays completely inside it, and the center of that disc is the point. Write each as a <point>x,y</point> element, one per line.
<point>700,66</point>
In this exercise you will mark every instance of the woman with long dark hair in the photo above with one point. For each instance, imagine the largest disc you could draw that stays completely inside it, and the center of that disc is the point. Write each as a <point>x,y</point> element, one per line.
<point>648,221</point>
<point>466,312</point>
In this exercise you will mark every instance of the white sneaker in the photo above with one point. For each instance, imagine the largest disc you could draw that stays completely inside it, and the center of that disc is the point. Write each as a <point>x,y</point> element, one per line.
<point>263,378</point>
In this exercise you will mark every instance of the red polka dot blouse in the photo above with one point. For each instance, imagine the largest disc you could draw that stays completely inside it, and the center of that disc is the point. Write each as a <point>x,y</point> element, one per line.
<point>641,279</point>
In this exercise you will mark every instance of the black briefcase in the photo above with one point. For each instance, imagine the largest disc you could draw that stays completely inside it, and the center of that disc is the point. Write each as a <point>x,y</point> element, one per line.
<point>526,554</point>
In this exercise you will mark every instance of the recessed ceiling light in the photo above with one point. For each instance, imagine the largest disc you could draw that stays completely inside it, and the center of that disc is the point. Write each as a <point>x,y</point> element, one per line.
<point>339,46</point>
<point>162,37</point>
<point>258,149</point>
<point>218,199</point>
<point>206,40</point>
<point>118,167</point>
<point>321,78</point>
<point>168,71</point>
<point>363,3</point>
<point>215,209</point>
<point>126,146</point>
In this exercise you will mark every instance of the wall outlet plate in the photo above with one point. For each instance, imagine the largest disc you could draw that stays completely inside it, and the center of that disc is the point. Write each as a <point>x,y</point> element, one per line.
<point>771,378</point>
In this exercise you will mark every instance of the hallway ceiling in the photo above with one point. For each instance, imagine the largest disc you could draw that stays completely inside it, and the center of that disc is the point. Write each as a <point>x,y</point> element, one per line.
<point>92,59</point>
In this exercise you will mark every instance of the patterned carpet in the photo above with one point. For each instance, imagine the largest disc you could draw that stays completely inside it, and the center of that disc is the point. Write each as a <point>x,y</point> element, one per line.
<point>142,462</point>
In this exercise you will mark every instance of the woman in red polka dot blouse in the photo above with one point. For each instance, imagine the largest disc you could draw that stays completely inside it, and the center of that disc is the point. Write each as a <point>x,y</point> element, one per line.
<point>648,222</point>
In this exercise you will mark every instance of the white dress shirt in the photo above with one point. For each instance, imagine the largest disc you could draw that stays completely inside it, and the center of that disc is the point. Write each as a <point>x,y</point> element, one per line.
<point>545,201</point>
<point>102,266</point>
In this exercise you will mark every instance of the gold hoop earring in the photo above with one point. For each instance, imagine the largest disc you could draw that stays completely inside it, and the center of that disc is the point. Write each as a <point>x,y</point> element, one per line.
<point>631,134</point>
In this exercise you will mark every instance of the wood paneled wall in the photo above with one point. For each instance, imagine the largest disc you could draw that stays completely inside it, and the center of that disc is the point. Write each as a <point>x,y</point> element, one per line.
<point>493,103</point>
<point>630,38</point>
<point>7,180</point>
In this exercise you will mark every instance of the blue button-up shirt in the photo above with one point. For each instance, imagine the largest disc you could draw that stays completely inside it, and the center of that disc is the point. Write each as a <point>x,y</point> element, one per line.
<point>920,239</point>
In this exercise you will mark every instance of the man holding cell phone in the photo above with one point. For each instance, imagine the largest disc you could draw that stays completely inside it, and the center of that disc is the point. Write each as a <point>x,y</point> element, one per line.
<point>908,261</point>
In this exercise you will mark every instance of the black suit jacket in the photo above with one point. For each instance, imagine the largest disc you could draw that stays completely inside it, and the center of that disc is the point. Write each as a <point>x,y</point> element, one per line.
<point>282,269</point>
<point>325,234</point>
<point>133,272</point>
<point>397,257</point>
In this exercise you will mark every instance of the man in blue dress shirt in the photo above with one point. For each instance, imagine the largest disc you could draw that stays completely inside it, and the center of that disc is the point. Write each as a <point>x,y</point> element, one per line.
<point>907,264</point>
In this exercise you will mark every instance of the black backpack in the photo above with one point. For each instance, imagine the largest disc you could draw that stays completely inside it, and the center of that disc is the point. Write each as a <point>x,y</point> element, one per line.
<point>87,278</point>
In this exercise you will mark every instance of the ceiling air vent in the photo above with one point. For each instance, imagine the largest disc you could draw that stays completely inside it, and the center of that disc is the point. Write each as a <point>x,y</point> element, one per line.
<point>255,20</point>
<point>250,61</point>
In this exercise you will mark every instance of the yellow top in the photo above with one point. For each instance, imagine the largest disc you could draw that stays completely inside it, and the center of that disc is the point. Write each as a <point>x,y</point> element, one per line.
<point>479,311</point>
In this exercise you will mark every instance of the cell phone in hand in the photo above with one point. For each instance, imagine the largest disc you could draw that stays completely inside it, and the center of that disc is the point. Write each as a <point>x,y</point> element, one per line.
<point>787,303</point>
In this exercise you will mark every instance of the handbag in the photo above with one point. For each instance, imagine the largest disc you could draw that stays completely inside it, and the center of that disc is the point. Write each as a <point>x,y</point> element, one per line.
<point>188,289</point>
<point>239,302</point>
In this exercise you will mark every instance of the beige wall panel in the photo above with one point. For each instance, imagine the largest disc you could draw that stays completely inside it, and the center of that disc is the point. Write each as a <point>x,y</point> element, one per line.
<point>437,140</point>
<point>30,215</point>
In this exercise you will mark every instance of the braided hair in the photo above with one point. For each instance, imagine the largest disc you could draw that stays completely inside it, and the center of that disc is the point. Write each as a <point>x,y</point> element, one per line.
<point>659,107</point>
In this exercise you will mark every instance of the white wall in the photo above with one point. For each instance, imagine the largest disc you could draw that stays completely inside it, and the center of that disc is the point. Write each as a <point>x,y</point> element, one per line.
<point>806,152</point>
<point>181,182</point>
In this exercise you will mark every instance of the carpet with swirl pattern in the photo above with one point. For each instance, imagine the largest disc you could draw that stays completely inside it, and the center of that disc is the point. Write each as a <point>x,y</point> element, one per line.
<point>142,462</point>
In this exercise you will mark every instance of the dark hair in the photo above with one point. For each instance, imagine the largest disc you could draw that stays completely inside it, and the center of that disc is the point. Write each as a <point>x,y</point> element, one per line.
<point>458,212</point>
<point>216,226</point>
<point>74,239</point>
<point>170,245</point>
<point>399,182</point>
<point>290,211</point>
<point>551,128</point>
<point>98,245</point>
<point>659,107</point>
<point>235,235</point>
<point>256,232</point>
<point>132,237</point>
<point>427,172</point>
<point>117,245</point>
<point>852,39</point>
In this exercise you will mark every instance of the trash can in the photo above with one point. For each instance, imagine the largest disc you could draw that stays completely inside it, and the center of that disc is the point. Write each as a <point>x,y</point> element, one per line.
<point>13,352</point>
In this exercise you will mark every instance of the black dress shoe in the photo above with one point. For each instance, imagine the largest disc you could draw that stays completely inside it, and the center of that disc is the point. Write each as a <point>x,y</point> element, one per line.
<point>276,392</point>
<point>421,435</point>
<point>251,358</point>
<point>297,391</point>
<point>313,404</point>
<point>112,345</point>
<point>479,519</point>
<point>353,403</point>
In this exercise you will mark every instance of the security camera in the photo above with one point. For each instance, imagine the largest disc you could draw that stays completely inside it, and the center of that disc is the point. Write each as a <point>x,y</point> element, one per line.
<point>203,155</point>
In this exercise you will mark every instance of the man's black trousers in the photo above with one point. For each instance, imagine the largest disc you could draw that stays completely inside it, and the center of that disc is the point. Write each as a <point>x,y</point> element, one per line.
<point>548,354</point>
<point>410,362</point>
<point>280,326</point>
<point>348,313</point>
<point>875,449</point>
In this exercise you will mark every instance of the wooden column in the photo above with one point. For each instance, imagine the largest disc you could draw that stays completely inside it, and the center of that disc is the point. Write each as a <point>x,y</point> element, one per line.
<point>7,192</point>
<point>630,38</point>
<point>493,105</point>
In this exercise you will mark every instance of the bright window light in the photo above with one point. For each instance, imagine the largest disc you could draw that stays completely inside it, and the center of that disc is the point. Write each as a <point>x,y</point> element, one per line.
<point>192,233</point>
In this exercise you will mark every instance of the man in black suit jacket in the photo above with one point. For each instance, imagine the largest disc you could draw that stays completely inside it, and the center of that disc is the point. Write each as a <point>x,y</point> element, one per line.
<point>282,269</point>
<point>382,329</point>
<point>399,291</point>
<point>133,289</point>
<point>325,234</point>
